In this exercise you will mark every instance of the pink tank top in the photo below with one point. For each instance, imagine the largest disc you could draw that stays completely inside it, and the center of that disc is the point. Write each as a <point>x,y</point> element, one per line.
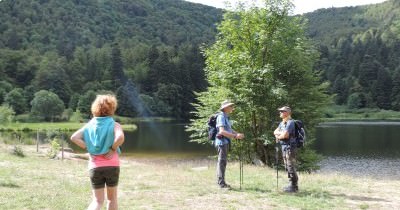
<point>96,161</point>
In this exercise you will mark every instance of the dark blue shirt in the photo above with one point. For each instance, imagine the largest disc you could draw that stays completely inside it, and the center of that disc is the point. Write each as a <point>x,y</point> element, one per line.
<point>289,127</point>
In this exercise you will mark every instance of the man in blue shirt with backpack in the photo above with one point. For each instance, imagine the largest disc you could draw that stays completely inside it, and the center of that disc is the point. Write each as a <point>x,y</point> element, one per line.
<point>222,140</point>
<point>285,135</point>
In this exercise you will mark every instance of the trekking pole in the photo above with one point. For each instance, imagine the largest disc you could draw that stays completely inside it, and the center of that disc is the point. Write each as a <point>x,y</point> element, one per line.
<point>276,163</point>
<point>240,164</point>
<point>242,160</point>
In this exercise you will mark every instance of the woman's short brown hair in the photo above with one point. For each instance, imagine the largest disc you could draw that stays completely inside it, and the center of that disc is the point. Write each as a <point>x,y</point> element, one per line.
<point>104,105</point>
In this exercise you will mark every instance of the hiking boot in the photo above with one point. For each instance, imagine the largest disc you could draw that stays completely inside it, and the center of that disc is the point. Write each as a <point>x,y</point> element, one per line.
<point>225,186</point>
<point>291,189</point>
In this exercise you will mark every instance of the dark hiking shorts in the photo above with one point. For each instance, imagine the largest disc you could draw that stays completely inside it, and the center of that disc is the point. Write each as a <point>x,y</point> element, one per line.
<point>104,175</point>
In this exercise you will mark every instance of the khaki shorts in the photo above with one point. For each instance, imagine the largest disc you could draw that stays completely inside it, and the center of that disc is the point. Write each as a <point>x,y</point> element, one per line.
<point>101,176</point>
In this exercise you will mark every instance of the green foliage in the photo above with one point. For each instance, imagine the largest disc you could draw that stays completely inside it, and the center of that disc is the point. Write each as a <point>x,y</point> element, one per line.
<point>171,94</point>
<point>85,102</point>
<point>344,113</point>
<point>108,43</point>
<point>306,160</point>
<point>396,90</point>
<point>355,101</point>
<point>17,150</point>
<point>261,60</point>
<point>166,22</point>
<point>54,148</point>
<point>52,75</point>
<point>27,118</point>
<point>47,105</point>
<point>360,51</point>
<point>6,114</point>
<point>5,87</point>
<point>157,107</point>
<point>16,100</point>
<point>76,117</point>
<point>67,114</point>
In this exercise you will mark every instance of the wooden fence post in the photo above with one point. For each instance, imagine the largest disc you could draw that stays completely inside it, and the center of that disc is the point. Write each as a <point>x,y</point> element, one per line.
<point>37,140</point>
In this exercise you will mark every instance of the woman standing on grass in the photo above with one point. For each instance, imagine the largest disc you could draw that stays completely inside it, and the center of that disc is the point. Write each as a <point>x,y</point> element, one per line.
<point>101,137</point>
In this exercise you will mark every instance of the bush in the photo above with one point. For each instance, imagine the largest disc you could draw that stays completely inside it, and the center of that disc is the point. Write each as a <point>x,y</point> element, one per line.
<point>306,159</point>
<point>47,105</point>
<point>76,117</point>
<point>6,114</point>
<point>54,148</point>
<point>25,118</point>
<point>18,151</point>
<point>67,114</point>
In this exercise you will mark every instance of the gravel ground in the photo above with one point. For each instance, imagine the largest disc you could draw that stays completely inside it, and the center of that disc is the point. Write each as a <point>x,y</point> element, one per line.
<point>380,168</point>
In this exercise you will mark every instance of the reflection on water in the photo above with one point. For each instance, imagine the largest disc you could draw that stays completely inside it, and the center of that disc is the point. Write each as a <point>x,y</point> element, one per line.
<point>162,137</point>
<point>366,139</point>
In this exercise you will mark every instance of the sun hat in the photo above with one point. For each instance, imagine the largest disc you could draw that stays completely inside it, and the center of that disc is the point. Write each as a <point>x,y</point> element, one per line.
<point>225,104</point>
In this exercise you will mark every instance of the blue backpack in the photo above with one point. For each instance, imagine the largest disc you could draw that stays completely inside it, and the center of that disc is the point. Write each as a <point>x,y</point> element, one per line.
<point>300,133</point>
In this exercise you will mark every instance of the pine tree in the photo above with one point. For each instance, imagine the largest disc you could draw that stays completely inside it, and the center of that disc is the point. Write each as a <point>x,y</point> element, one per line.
<point>383,89</point>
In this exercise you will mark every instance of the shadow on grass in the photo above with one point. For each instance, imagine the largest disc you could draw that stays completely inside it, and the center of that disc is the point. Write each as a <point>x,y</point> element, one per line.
<point>9,185</point>
<point>311,193</point>
<point>328,195</point>
<point>252,189</point>
<point>360,198</point>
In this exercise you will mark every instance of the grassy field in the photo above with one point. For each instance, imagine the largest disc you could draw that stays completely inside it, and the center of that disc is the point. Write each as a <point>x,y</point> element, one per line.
<point>37,182</point>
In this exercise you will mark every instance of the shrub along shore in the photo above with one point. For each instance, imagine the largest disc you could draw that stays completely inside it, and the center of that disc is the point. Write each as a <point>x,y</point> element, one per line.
<point>63,126</point>
<point>37,182</point>
<point>340,113</point>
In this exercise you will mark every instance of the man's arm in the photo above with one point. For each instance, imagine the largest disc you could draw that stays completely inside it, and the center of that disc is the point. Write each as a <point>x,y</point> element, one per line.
<point>230,135</point>
<point>221,122</point>
<point>281,134</point>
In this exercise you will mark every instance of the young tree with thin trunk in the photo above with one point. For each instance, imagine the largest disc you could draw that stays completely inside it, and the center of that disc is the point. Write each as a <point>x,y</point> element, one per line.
<point>261,60</point>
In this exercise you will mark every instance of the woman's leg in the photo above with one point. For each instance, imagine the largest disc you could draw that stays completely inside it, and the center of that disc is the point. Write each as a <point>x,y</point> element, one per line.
<point>112,201</point>
<point>98,199</point>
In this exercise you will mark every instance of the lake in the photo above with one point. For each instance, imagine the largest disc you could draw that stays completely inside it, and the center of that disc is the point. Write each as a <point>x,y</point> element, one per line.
<point>163,137</point>
<point>353,148</point>
<point>361,139</point>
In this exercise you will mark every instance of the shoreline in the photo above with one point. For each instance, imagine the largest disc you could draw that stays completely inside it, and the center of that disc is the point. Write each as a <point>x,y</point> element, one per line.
<point>376,168</point>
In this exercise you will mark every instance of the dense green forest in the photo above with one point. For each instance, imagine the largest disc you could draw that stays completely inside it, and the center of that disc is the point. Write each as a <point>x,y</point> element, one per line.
<point>56,55</point>
<point>145,51</point>
<point>360,53</point>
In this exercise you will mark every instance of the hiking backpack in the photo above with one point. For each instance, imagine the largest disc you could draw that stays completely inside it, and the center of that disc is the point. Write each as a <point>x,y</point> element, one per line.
<point>212,127</point>
<point>300,133</point>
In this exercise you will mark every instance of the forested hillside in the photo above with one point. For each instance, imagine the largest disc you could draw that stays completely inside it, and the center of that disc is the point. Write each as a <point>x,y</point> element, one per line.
<point>148,53</point>
<point>360,53</point>
<point>76,48</point>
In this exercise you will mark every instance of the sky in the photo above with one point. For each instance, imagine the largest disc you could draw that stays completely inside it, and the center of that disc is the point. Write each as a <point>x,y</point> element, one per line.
<point>301,6</point>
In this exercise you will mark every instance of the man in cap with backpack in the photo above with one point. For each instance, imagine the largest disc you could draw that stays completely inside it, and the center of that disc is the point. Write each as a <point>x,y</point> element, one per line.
<point>222,140</point>
<point>285,135</point>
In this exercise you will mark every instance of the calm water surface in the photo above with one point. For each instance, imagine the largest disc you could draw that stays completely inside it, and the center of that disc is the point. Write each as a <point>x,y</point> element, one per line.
<point>357,139</point>
<point>164,137</point>
<point>365,139</point>
<point>353,148</point>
